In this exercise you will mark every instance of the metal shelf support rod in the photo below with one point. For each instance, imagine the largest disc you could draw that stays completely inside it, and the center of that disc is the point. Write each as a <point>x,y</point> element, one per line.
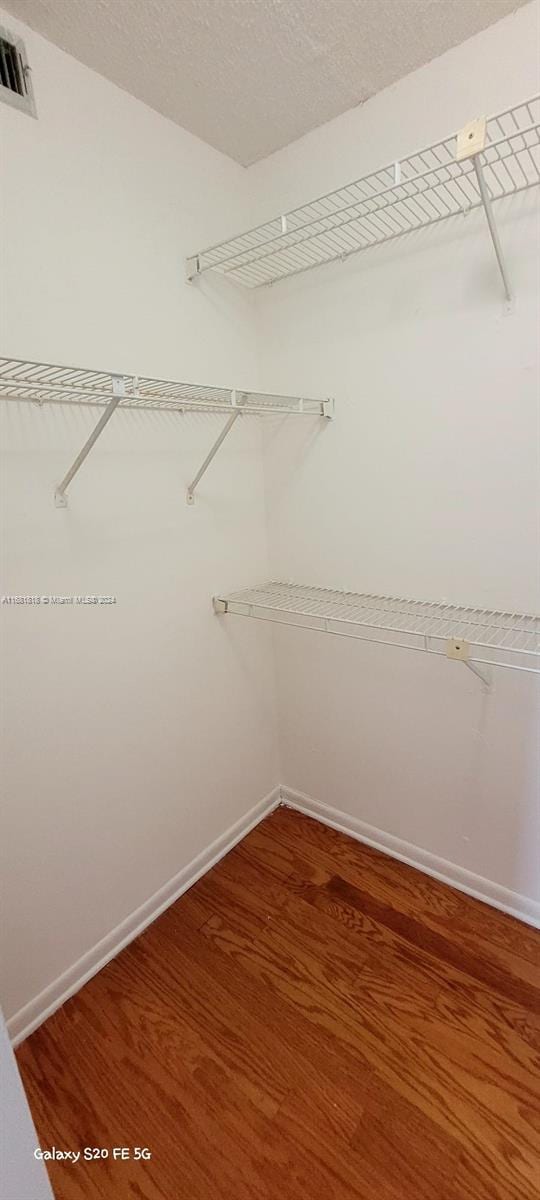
<point>486,201</point>
<point>118,387</point>
<point>212,453</point>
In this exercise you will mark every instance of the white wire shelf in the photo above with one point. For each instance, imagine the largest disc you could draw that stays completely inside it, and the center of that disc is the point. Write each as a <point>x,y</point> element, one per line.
<point>472,635</point>
<point>44,383</point>
<point>422,189</point>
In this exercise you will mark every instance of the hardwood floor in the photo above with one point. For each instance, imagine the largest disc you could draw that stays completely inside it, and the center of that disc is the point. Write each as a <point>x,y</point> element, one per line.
<point>312,1021</point>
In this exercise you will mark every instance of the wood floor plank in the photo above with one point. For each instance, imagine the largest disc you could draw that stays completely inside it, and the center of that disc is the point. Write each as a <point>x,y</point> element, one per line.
<point>311,1020</point>
<point>402,1154</point>
<point>179,1111</point>
<point>148,1014</point>
<point>311,1149</point>
<point>251,896</point>
<point>471,924</point>
<point>480,1106</point>
<point>197,994</point>
<point>411,929</point>
<point>297,1045</point>
<point>464,1106</point>
<point>384,942</point>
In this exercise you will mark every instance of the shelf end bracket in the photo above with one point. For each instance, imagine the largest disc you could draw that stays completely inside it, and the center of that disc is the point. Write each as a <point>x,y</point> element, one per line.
<point>193,268</point>
<point>329,408</point>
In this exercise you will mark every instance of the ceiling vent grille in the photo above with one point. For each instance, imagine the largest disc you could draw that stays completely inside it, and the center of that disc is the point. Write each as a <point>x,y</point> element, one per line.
<point>15,82</point>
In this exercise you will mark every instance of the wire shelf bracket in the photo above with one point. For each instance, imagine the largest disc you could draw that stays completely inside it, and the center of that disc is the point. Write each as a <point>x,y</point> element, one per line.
<point>326,409</point>
<point>489,159</point>
<point>44,383</point>
<point>471,143</point>
<point>479,638</point>
<point>190,495</point>
<point>119,391</point>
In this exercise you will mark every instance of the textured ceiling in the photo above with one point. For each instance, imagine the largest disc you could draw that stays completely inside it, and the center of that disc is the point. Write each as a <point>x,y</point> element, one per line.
<point>250,76</point>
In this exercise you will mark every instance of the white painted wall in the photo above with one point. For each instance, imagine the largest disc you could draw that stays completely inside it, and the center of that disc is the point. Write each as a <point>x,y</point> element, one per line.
<point>20,1173</point>
<point>426,485</point>
<point>133,735</point>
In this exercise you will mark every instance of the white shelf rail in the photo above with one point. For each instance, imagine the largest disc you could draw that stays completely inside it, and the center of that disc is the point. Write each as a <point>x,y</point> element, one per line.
<point>428,186</point>
<point>44,383</point>
<point>475,636</point>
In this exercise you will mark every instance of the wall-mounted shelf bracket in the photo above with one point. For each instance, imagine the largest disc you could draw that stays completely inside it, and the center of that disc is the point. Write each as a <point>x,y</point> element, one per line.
<point>119,391</point>
<point>242,402</point>
<point>190,496</point>
<point>471,143</point>
<point>459,649</point>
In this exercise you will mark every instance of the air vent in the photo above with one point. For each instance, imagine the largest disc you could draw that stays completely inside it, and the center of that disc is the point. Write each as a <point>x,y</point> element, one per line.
<point>15,82</point>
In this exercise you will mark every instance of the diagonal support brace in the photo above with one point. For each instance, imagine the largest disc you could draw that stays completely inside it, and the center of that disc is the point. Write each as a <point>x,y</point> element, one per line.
<point>488,209</point>
<point>119,391</point>
<point>480,674</point>
<point>190,497</point>
<point>470,144</point>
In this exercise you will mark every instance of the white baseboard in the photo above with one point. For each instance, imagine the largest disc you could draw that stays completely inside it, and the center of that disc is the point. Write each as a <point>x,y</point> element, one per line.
<point>27,1019</point>
<point>514,903</point>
